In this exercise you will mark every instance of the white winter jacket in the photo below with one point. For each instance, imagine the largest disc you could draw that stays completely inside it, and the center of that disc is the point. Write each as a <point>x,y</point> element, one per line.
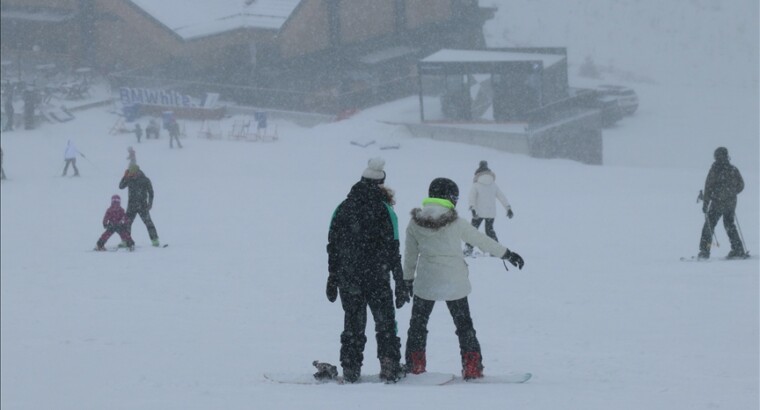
<point>433,252</point>
<point>483,195</point>
<point>71,151</point>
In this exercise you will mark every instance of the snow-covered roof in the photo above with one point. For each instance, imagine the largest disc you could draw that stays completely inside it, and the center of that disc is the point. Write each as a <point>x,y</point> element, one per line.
<point>386,54</point>
<point>199,18</point>
<point>43,16</point>
<point>482,56</point>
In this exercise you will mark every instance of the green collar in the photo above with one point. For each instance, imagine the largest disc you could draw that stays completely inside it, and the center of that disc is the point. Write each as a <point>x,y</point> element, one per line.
<point>438,201</point>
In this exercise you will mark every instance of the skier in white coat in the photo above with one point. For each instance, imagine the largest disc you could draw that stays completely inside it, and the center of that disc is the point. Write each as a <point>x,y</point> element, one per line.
<point>70,157</point>
<point>482,199</point>
<point>435,270</point>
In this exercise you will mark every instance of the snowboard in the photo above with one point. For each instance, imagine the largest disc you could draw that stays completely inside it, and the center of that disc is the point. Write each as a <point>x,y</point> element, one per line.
<point>494,379</point>
<point>424,379</point>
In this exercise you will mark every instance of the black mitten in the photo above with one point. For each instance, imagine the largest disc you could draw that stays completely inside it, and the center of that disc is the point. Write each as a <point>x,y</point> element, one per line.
<point>514,259</point>
<point>332,288</point>
<point>403,293</point>
<point>510,214</point>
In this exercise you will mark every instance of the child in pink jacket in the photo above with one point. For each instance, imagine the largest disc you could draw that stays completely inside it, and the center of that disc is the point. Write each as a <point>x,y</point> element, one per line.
<point>115,220</point>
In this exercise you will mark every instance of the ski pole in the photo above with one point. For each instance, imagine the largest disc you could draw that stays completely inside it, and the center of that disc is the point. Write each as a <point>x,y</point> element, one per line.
<point>709,226</point>
<point>91,163</point>
<point>741,235</point>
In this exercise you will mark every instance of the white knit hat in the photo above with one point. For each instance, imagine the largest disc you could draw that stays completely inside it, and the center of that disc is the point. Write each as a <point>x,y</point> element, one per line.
<point>375,169</point>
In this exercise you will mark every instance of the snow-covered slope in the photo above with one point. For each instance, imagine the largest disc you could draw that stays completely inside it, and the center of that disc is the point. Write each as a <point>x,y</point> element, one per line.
<point>604,314</point>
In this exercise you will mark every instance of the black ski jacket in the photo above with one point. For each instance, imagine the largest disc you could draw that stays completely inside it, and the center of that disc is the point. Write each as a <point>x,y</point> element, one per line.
<point>722,185</point>
<point>140,191</point>
<point>363,241</point>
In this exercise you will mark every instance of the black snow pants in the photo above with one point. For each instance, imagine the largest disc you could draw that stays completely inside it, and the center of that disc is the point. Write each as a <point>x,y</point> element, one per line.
<point>713,215</point>
<point>489,229</point>
<point>416,339</point>
<point>145,216</point>
<point>355,298</point>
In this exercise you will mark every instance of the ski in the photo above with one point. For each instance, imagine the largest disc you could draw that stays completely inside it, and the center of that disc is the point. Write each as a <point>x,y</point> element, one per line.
<point>723,258</point>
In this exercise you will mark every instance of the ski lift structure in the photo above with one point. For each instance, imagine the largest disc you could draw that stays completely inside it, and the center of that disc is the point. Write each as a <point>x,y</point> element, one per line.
<point>512,99</point>
<point>253,129</point>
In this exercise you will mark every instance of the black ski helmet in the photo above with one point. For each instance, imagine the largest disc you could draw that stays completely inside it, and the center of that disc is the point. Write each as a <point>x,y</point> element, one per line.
<point>444,188</point>
<point>721,154</point>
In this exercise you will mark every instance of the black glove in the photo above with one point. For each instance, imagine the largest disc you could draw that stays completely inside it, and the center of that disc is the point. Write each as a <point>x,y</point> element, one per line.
<point>514,259</point>
<point>332,288</point>
<point>705,207</point>
<point>403,292</point>
<point>474,214</point>
<point>510,214</point>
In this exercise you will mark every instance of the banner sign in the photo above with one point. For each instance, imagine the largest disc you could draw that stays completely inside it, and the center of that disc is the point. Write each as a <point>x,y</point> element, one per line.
<point>147,96</point>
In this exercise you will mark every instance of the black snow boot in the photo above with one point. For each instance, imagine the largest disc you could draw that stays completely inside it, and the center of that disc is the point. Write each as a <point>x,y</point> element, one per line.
<point>351,374</point>
<point>391,370</point>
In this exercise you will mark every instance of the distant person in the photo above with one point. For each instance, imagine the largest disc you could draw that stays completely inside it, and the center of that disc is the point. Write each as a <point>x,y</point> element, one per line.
<point>115,220</point>
<point>723,183</point>
<point>173,128</point>
<point>70,157</point>
<point>138,132</point>
<point>435,270</point>
<point>152,130</point>
<point>9,112</point>
<point>140,202</point>
<point>131,157</point>
<point>30,106</point>
<point>482,198</point>
<point>2,171</point>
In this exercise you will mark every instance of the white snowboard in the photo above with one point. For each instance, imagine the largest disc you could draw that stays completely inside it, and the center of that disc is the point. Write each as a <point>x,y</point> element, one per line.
<point>424,379</point>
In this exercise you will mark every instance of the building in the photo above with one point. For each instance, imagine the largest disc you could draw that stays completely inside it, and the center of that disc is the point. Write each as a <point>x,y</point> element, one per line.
<point>512,99</point>
<point>317,55</point>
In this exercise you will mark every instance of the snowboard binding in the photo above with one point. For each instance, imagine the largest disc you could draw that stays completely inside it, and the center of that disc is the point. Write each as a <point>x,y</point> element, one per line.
<point>325,371</point>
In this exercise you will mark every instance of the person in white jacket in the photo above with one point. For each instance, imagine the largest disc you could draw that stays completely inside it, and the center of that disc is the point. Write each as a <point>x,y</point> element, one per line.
<point>482,199</point>
<point>70,156</point>
<point>435,270</point>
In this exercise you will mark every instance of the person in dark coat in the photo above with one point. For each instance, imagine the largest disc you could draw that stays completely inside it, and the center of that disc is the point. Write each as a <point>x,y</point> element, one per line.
<point>363,249</point>
<point>115,221</point>
<point>2,171</point>
<point>173,128</point>
<point>30,105</point>
<point>140,191</point>
<point>138,131</point>
<point>723,183</point>
<point>9,112</point>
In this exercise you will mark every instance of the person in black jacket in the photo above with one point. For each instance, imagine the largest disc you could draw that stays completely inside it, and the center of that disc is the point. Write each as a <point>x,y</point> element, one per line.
<point>363,248</point>
<point>722,185</point>
<point>9,111</point>
<point>140,191</point>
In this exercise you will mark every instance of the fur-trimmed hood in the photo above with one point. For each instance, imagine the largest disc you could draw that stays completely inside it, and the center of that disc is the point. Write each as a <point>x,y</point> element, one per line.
<point>434,216</point>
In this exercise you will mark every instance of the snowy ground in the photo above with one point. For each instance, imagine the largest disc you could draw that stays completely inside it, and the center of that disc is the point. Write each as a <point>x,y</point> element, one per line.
<point>604,314</point>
